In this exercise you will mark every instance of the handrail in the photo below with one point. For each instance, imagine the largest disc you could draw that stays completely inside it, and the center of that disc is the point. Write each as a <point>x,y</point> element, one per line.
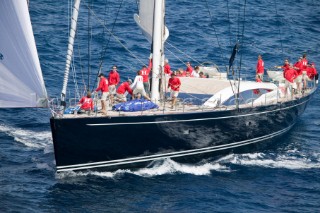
<point>187,104</point>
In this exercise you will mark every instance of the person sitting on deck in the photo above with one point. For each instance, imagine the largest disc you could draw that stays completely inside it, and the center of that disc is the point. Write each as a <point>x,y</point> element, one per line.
<point>201,75</point>
<point>138,86</point>
<point>181,73</point>
<point>86,103</point>
<point>188,74</point>
<point>123,89</point>
<point>103,86</point>
<point>195,72</point>
<point>174,83</point>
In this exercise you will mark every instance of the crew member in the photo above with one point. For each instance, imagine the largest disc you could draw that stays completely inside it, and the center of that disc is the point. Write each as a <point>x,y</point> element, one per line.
<point>174,83</point>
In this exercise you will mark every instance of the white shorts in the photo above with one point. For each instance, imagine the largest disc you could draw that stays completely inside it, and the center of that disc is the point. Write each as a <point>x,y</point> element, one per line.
<point>112,89</point>
<point>139,90</point>
<point>105,96</point>
<point>298,79</point>
<point>305,76</point>
<point>261,75</point>
<point>122,97</point>
<point>174,93</point>
<point>291,85</point>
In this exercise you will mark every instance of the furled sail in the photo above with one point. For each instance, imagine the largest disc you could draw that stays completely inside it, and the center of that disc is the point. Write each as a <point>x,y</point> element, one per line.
<point>21,80</point>
<point>145,19</point>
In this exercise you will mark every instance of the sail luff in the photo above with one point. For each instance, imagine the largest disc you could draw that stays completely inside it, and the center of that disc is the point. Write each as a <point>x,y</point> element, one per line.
<point>73,28</point>
<point>21,82</point>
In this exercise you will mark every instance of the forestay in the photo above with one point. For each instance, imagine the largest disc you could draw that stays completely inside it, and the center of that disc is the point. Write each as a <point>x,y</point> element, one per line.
<point>21,82</point>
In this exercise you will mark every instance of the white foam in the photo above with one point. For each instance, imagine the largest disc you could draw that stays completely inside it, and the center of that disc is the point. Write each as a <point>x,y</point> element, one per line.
<point>31,139</point>
<point>169,166</point>
<point>300,161</point>
<point>164,167</point>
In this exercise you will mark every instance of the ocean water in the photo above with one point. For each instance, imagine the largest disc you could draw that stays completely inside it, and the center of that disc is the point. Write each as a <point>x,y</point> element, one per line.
<point>283,178</point>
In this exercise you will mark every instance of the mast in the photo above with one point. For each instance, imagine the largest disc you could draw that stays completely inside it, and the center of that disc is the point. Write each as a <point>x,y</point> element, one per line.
<point>73,29</point>
<point>158,28</point>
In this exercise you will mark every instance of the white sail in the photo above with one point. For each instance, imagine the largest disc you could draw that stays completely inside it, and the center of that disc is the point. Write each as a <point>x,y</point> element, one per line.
<point>21,81</point>
<point>145,19</point>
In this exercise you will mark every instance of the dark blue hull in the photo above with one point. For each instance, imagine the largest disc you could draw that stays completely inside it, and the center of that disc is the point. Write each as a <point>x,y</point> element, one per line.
<point>129,142</point>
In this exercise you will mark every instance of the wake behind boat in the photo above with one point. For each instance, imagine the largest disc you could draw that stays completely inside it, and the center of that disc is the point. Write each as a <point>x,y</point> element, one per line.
<point>212,116</point>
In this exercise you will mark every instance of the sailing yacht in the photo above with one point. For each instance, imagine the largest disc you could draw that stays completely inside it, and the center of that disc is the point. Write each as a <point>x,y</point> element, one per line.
<point>228,116</point>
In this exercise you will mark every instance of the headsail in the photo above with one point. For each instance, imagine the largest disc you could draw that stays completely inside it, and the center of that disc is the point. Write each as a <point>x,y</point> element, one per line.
<point>145,19</point>
<point>21,81</point>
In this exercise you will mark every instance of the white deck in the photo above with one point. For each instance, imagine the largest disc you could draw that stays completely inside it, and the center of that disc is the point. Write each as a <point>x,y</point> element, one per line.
<point>180,108</point>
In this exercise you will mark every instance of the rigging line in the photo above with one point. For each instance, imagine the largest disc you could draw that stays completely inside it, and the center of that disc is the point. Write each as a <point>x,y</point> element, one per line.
<point>115,37</point>
<point>174,55</point>
<point>215,31</point>
<point>80,64</point>
<point>89,43</point>
<point>229,22</point>
<point>275,1</point>
<point>107,44</point>
<point>242,36</point>
<point>74,75</point>
<point>103,52</point>
<point>238,30</point>
<point>182,53</point>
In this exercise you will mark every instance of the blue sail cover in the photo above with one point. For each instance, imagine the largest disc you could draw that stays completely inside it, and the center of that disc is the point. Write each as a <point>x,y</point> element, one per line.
<point>135,105</point>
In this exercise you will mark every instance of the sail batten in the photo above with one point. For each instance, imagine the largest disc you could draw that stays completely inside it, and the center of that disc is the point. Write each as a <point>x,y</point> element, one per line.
<point>21,81</point>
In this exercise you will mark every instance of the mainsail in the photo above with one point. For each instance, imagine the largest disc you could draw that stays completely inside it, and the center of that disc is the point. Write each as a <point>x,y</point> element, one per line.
<point>145,19</point>
<point>21,81</point>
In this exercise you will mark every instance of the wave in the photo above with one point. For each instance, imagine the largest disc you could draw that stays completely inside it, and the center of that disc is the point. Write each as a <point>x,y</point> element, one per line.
<point>157,168</point>
<point>29,138</point>
<point>292,159</point>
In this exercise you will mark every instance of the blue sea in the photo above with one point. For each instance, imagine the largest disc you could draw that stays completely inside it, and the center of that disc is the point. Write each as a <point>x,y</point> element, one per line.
<point>282,178</point>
